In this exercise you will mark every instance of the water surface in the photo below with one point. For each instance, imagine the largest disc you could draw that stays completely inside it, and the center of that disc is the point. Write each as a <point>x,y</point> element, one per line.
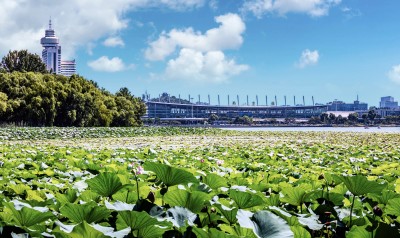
<point>322,129</point>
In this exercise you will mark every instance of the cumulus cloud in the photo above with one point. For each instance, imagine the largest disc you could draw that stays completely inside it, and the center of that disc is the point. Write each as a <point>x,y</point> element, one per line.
<point>394,74</point>
<point>77,22</point>
<point>197,66</point>
<point>201,57</point>
<point>113,41</point>
<point>227,36</point>
<point>104,64</point>
<point>308,58</point>
<point>314,8</point>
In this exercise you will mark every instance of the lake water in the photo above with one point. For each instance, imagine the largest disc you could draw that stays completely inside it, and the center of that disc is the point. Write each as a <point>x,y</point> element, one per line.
<point>322,129</point>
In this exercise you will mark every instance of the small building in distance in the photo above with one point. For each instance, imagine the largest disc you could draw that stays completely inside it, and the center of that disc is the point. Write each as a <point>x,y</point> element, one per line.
<point>68,67</point>
<point>342,106</point>
<point>388,102</point>
<point>51,55</point>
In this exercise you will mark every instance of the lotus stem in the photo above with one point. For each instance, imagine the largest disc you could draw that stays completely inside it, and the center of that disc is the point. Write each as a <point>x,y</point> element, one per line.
<point>137,187</point>
<point>351,210</point>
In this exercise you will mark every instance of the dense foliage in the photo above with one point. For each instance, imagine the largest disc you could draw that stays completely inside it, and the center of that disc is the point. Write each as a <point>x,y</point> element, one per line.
<point>22,61</point>
<point>300,185</point>
<point>43,133</point>
<point>36,99</point>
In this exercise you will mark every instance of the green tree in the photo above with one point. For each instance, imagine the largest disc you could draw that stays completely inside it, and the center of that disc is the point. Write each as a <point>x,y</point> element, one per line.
<point>353,117</point>
<point>324,117</point>
<point>3,102</point>
<point>22,61</point>
<point>36,99</point>
<point>371,115</point>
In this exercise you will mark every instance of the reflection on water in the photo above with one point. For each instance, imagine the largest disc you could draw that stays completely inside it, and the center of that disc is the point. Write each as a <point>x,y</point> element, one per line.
<point>322,129</point>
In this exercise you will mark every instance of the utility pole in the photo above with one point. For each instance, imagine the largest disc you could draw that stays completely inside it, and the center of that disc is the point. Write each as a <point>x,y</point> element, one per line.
<point>257,99</point>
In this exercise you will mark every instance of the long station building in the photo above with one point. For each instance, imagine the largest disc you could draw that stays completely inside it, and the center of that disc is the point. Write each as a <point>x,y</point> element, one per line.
<point>187,112</point>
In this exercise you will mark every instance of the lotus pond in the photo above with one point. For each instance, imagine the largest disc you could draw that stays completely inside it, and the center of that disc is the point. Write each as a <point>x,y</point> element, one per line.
<point>185,182</point>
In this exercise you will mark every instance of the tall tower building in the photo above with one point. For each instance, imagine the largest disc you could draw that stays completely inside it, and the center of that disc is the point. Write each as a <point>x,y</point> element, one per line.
<point>51,54</point>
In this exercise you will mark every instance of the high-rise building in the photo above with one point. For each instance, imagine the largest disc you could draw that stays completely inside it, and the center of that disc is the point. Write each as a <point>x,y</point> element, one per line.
<point>388,102</point>
<point>68,67</point>
<point>51,54</point>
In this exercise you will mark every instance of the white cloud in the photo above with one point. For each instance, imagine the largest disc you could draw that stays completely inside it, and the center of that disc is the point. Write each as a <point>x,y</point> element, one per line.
<point>308,58</point>
<point>314,8</point>
<point>201,57</point>
<point>77,22</point>
<point>212,66</point>
<point>394,74</point>
<point>213,4</point>
<point>114,41</point>
<point>105,64</point>
<point>227,36</point>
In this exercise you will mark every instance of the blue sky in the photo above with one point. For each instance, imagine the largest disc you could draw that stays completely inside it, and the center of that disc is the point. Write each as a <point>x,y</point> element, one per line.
<point>329,49</point>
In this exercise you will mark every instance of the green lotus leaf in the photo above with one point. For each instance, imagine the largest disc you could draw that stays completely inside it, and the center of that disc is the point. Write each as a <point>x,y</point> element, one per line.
<point>300,232</point>
<point>214,181</point>
<point>238,231</point>
<point>19,188</point>
<point>384,197</point>
<point>89,212</point>
<point>245,199</point>
<point>393,207</point>
<point>360,185</point>
<point>141,223</point>
<point>80,231</point>
<point>228,213</point>
<point>194,201</point>
<point>105,184</point>
<point>170,176</point>
<point>212,233</point>
<point>269,225</point>
<point>294,196</point>
<point>25,217</point>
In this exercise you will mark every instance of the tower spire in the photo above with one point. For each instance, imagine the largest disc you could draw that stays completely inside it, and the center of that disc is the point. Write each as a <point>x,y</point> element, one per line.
<point>50,23</point>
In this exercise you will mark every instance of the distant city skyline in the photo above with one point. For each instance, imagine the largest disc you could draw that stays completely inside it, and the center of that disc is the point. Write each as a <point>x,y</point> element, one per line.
<point>329,49</point>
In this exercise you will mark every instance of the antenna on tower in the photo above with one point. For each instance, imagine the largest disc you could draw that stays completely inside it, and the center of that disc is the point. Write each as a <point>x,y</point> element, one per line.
<point>50,23</point>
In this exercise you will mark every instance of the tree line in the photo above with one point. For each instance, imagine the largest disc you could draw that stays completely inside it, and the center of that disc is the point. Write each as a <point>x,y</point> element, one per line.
<point>30,96</point>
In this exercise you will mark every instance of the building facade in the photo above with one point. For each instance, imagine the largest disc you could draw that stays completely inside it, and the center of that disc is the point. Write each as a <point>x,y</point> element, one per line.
<point>388,102</point>
<point>51,54</point>
<point>68,68</point>
<point>342,106</point>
